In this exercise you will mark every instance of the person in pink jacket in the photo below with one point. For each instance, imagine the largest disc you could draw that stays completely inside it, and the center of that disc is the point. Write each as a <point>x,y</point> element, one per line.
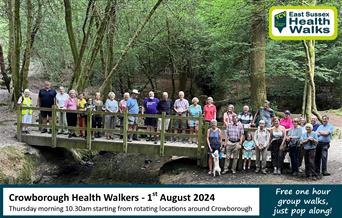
<point>286,121</point>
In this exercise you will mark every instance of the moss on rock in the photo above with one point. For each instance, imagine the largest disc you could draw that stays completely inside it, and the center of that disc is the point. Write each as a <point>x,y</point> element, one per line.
<point>18,164</point>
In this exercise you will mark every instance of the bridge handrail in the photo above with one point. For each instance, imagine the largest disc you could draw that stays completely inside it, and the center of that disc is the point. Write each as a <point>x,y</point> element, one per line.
<point>119,114</point>
<point>201,135</point>
<point>89,112</point>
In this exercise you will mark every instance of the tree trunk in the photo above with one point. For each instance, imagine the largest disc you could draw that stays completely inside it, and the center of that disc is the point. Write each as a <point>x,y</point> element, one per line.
<point>310,93</point>
<point>84,43</point>
<point>129,45</point>
<point>70,29</point>
<point>257,58</point>
<point>15,44</point>
<point>110,52</point>
<point>27,53</point>
<point>309,106</point>
<point>173,65</point>
<point>5,77</point>
<point>86,73</point>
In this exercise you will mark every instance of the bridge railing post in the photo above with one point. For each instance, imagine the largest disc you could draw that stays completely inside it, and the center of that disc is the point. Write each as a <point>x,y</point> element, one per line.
<point>199,140</point>
<point>205,146</point>
<point>162,134</point>
<point>89,126</point>
<point>53,126</point>
<point>124,131</point>
<point>19,125</point>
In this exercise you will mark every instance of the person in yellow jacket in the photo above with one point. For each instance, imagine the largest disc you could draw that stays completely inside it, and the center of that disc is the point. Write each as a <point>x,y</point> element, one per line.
<point>26,101</point>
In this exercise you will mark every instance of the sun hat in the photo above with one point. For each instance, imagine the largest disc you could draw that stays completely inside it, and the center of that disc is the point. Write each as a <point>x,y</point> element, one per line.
<point>135,91</point>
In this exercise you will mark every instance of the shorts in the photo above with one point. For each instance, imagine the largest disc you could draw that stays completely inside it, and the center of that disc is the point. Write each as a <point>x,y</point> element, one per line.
<point>167,123</point>
<point>150,121</point>
<point>193,123</point>
<point>180,124</point>
<point>45,114</point>
<point>214,149</point>
<point>27,118</point>
<point>133,120</point>
<point>247,154</point>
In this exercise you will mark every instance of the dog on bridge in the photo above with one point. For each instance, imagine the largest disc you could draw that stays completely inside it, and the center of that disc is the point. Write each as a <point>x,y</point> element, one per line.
<point>216,161</point>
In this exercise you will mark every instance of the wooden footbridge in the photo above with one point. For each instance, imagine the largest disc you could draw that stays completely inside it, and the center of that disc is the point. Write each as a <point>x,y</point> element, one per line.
<point>120,144</point>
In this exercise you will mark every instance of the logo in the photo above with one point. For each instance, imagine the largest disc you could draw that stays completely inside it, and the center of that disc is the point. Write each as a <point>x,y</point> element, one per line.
<point>280,21</point>
<point>303,23</point>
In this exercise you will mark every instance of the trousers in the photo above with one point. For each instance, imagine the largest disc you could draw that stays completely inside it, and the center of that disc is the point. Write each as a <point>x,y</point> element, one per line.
<point>232,148</point>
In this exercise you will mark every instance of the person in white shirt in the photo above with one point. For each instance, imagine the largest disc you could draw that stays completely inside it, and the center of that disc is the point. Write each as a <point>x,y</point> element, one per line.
<point>61,97</point>
<point>261,139</point>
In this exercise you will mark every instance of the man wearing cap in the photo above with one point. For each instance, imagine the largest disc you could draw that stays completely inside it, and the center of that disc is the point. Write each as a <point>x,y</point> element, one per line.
<point>46,98</point>
<point>234,137</point>
<point>324,132</point>
<point>286,121</point>
<point>133,108</point>
<point>61,98</point>
<point>26,114</point>
<point>261,139</point>
<point>264,113</point>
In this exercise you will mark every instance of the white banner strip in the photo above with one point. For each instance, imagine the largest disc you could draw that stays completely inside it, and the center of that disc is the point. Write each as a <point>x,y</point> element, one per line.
<point>131,201</point>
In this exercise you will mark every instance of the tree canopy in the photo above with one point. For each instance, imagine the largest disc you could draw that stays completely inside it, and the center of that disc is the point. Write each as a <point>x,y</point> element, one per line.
<point>203,47</point>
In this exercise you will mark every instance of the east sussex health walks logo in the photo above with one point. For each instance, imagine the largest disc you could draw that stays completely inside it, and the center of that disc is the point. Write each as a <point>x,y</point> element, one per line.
<point>303,23</point>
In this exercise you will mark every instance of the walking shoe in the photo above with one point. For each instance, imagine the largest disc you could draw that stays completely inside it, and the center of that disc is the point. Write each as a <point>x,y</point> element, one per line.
<point>224,171</point>
<point>257,171</point>
<point>326,174</point>
<point>233,171</point>
<point>278,172</point>
<point>43,130</point>
<point>264,172</point>
<point>275,171</point>
<point>129,140</point>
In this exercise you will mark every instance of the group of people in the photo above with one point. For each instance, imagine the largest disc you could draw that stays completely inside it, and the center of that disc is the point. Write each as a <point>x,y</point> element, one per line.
<point>310,141</point>
<point>48,97</point>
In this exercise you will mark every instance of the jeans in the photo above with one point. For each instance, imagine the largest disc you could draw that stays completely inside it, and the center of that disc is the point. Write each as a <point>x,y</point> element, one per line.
<point>321,157</point>
<point>263,154</point>
<point>309,159</point>
<point>294,155</point>
<point>62,121</point>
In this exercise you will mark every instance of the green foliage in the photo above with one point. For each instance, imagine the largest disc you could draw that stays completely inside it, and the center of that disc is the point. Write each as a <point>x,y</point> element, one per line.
<point>203,41</point>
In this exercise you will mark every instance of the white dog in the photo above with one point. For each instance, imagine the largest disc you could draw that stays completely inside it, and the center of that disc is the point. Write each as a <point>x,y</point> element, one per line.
<point>216,161</point>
